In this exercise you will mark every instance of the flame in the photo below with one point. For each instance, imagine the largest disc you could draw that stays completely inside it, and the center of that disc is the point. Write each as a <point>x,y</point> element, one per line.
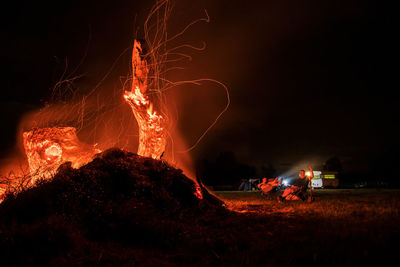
<point>198,193</point>
<point>137,97</point>
<point>48,148</point>
<point>53,152</point>
<point>152,131</point>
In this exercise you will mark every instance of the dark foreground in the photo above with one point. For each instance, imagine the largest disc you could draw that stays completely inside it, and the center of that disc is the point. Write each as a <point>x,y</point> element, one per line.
<point>158,225</point>
<point>341,227</point>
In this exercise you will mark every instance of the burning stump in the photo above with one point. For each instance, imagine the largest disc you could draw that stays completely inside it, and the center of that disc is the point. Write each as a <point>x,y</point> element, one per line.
<point>152,133</point>
<point>47,148</point>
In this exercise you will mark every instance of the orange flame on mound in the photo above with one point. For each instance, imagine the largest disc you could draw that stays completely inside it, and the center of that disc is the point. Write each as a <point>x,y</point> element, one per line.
<point>48,148</point>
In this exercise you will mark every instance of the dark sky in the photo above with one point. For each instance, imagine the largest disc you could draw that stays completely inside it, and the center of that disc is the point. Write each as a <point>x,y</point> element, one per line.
<point>307,80</point>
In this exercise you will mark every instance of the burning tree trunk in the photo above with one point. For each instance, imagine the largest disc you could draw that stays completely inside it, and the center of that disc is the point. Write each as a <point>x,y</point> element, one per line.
<point>152,130</point>
<point>48,148</point>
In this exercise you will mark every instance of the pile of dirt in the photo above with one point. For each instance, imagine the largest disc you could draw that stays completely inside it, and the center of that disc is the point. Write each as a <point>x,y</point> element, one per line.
<point>118,198</point>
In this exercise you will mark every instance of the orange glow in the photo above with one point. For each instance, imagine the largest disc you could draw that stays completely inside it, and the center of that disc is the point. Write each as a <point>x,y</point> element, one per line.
<point>198,192</point>
<point>53,152</point>
<point>152,133</point>
<point>47,148</point>
<point>137,97</point>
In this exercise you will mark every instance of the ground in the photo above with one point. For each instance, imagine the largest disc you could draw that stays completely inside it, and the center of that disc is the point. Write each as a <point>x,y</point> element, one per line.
<point>341,227</point>
<point>123,209</point>
<point>329,203</point>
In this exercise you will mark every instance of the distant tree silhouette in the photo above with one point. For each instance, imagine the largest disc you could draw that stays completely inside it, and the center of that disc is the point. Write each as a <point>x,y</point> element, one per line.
<point>225,171</point>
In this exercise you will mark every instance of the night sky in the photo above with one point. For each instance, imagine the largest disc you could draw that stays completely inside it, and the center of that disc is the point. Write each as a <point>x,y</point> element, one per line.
<point>308,80</point>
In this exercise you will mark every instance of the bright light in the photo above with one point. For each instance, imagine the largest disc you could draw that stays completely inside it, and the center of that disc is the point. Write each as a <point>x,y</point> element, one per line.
<point>308,174</point>
<point>285,182</point>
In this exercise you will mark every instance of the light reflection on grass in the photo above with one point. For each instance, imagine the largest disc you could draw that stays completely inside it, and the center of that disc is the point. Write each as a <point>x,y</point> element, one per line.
<point>362,204</point>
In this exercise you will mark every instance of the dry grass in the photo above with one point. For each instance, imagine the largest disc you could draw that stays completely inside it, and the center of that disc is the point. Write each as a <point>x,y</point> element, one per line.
<point>329,203</point>
<point>360,205</point>
<point>341,227</point>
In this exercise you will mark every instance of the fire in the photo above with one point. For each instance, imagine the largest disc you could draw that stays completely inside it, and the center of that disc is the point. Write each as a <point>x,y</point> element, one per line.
<point>198,193</point>
<point>47,148</point>
<point>138,98</point>
<point>53,152</point>
<point>152,132</point>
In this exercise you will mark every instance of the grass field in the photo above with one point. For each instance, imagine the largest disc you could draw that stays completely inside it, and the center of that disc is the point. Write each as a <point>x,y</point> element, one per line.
<point>341,227</point>
<point>360,204</point>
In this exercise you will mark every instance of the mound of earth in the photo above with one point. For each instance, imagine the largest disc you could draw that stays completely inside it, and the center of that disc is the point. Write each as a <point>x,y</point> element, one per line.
<point>118,198</point>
